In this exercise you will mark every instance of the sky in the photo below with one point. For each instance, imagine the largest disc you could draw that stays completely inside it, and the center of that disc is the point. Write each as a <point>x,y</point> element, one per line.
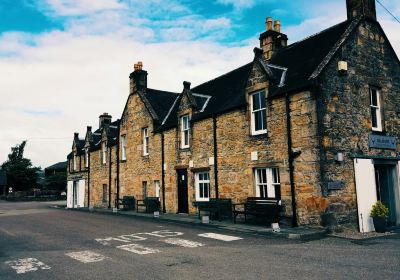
<point>65,62</point>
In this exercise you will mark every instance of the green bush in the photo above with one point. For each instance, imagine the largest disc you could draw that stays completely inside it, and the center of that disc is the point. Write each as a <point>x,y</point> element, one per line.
<point>379,210</point>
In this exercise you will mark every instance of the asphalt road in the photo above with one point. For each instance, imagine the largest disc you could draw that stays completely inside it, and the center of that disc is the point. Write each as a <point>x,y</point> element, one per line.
<point>38,242</point>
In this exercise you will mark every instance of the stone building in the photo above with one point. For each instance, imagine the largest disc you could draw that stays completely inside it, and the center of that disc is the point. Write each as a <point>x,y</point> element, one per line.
<point>314,123</point>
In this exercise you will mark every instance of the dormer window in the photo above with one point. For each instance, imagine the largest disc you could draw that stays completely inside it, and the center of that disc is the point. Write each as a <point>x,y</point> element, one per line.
<point>104,153</point>
<point>145,141</point>
<point>375,104</point>
<point>185,132</point>
<point>258,113</point>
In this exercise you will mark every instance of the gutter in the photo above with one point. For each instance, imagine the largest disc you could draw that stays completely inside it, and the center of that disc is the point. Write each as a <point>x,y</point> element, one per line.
<point>291,159</point>
<point>163,172</point>
<point>109,179</point>
<point>215,156</point>
<point>118,151</point>
<point>88,195</point>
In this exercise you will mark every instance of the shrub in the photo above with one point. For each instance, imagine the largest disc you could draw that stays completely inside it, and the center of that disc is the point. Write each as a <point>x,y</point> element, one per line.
<point>379,210</point>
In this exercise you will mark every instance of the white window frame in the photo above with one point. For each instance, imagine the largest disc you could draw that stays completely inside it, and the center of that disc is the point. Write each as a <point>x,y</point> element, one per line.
<point>123,147</point>
<point>377,108</point>
<point>87,157</point>
<point>266,182</point>
<point>185,131</point>
<point>103,152</point>
<point>253,112</point>
<point>145,132</point>
<point>204,183</point>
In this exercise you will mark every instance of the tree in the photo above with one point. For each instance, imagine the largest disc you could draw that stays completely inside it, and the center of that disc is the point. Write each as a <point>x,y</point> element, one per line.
<point>21,175</point>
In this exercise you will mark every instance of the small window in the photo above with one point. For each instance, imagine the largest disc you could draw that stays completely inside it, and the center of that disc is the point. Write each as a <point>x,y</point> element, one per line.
<point>105,193</point>
<point>258,113</point>
<point>75,166</point>
<point>123,147</point>
<point>144,184</point>
<point>145,141</point>
<point>375,105</point>
<point>185,131</point>
<point>86,157</point>
<point>267,182</point>
<point>104,153</point>
<point>203,186</point>
<point>157,186</point>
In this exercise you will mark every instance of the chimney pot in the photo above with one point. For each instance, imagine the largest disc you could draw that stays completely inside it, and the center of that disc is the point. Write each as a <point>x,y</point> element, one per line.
<point>140,66</point>
<point>277,26</point>
<point>76,134</point>
<point>269,23</point>
<point>89,128</point>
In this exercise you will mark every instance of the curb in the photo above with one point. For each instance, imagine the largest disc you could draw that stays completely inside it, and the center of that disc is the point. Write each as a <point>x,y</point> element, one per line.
<point>302,237</point>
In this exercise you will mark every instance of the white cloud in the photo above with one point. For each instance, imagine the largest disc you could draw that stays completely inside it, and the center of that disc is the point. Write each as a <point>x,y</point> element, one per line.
<point>238,4</point>
<point>79,7</point>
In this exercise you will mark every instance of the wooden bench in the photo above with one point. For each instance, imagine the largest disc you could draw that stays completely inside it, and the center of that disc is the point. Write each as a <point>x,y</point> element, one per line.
<point>150,204</point>
<point>218,207</point>
<point>127,202</point>
<point>266,208</point>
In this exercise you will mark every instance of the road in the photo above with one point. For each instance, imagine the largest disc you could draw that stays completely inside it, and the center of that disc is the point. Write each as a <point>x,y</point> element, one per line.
<point>39,242</point>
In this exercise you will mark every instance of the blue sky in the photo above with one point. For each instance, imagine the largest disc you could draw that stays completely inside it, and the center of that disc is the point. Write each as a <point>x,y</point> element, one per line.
<point>68,61</point>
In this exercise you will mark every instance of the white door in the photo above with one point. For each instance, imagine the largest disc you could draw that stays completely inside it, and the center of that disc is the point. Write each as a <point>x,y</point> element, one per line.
<point>366,192</point>
<point>69,194</point>
<point>75,194</point>
<point>81,193</point>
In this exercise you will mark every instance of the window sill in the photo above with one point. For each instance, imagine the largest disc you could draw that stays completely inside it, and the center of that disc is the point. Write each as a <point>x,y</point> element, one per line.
<point>379,132</point>
<point>122,161</point>
<point>186,149</point>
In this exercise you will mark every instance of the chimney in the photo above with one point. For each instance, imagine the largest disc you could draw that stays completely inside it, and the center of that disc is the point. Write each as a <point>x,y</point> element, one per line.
<point>272,40</point>
<point>76,135</point>
<point>186,85</point>
<point>356,8</point>
<point>89,129</point>
<point>104,120</point>
<point>138,78</point>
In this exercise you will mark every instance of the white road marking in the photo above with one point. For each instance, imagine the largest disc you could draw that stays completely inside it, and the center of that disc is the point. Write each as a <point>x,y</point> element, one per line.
<point>138,249</point>
<point>27,265</point>
<point>128,238</point>
<point>219,236</point>
<point>87,256</point>
<point>182,242</point>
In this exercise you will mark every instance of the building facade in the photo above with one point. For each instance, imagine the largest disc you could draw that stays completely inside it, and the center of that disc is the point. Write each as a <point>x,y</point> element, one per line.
<point>314,123</point>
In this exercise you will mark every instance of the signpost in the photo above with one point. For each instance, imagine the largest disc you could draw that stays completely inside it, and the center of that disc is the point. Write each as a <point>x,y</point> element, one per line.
<point>382,142</point>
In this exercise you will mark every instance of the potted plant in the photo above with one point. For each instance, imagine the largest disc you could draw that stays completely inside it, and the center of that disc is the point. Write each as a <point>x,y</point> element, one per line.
<point>379,214</point>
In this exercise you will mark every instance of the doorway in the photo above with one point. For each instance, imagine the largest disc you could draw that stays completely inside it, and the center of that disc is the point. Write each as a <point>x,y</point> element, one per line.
<point>75,194</point>
<point>183,205</point>
<point>386,190</point>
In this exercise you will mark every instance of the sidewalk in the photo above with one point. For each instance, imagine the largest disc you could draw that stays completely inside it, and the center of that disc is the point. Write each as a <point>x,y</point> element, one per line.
<point>299,233</point>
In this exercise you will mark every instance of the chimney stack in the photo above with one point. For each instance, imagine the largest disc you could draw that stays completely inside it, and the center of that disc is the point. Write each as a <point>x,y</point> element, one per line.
<point>272,40</point>
<point>138,78</point>
<point>104,120</point>
<point>357,8</point>
<point>89,128</point>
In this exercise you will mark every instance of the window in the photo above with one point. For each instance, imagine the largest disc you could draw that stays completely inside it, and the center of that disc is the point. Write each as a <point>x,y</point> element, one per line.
<point>157,185</point>
<point>258,113</point>
<point>376,116</point>
<point>75,163</point>
<point>86,157</point>
<point>105,193</point>
<point>202,186</point>
<point>123,148</point>
<point>267,182</point>
<point>144,184</point>
<point>104,153</point>
<point>185,131</point>
<point>145,141</point>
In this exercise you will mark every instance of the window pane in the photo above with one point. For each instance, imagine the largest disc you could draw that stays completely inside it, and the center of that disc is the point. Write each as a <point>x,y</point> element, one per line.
<point>262,99</point>
<point>264,176</point>
<point>275,172</point>
<point>264,119</point>
<point>186,138</point>
<point>206,190</point>
<point>201,194</point>
<point>374,117</point>
<point>256,101</point>
<point>374,97</point>
<point>258,120</point>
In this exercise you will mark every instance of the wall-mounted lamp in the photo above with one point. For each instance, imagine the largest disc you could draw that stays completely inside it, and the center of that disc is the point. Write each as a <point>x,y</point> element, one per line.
<point>342,67</point>
<point>339,157</point>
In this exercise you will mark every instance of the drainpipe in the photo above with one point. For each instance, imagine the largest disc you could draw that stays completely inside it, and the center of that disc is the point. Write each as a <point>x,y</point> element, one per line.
<point>291,159</point>
<point>118,151</point>
<point>88,192</point>
<point>215,156</point>
<point>163,172</point>
<point>109,180</point>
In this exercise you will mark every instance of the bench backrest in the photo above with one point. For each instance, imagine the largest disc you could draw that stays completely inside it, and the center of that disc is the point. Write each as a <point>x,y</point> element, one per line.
<point>261,205</point>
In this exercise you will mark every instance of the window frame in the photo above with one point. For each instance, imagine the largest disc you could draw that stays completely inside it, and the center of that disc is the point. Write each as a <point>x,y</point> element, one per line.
<point>185,131</point>
<point>145,189</point>
<point>145,141</point>
<point>123,147</point>
<point>377,108</point>
<point>253,112</point>
<point>272,181</point>
<point>199,181</point>
<point>105,194</point>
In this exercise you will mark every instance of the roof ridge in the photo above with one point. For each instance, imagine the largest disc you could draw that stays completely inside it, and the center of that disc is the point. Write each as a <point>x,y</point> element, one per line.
<point>226,74</point>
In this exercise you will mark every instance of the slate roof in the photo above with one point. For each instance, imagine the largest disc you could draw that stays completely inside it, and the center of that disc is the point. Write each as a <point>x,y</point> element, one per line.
<point>112,136</point>
<point>58,166</point>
